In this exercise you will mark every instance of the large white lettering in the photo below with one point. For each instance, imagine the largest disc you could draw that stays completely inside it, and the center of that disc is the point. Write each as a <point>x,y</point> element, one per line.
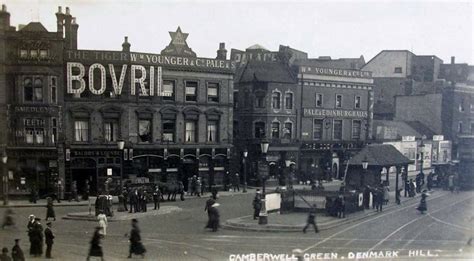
<point>102,79</point>
<point>140,81</point>
<point>117,85</point>
<point>79,77</point>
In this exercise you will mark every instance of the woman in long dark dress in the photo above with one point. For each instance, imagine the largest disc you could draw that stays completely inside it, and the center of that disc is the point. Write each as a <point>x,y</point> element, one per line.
<point>136,246</point>
<point>422,207</point>
<point>96,248</point>
<point>50,210</point>
<point>214,217</point>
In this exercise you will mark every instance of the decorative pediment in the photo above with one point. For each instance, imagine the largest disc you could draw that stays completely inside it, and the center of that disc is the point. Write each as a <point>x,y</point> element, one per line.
<point>145,113</point>
<point>191,110</point>
<point>111,111</point>
<point>213,111</point>
<point>81,111</point>
<point>178,45</point>
<point>169,110</point>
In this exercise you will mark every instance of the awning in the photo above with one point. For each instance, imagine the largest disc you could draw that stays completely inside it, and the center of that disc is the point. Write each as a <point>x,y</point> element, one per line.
<point>383,155</point>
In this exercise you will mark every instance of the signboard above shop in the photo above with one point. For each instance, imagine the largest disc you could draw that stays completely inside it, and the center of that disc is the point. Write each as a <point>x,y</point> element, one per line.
<point>335,72</point>
<point>310,112</point>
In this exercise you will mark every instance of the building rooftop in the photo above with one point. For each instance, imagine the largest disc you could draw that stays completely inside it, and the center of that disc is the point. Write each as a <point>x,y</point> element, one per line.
<point>266,72</point>
<point>34,27</point>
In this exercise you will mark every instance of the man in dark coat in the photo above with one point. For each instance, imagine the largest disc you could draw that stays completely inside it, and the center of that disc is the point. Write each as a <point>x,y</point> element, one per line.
<point>37,238</point>
<point>30,226</point>
<point>96,248</point>
<point>236,182</point>
<point>311,220</point>
<point>49,239</point>
<point>4,256</point>
<point>157,197</point>
<point>207,208</point>
<point>17,253</point>
<point>50,209</point>
<point>341,206</point>
<point>136,246</point>
<point>125,198</point>
<point>257,205</point>
<point>407,188</point>
<point>379,199</point>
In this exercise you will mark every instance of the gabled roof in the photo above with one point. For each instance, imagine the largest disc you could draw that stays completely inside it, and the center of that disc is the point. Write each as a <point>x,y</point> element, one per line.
<point>382,155</point>
<point>266,72</point>
<point>421,128</point>
<point>34,27</point>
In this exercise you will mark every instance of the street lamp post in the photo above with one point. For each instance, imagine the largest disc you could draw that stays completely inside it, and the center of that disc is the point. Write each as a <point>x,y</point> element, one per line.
<point>246,153</point>
<point>263,216</point>
<point>422,146</point>
<point>365,165</point>
<point>120,146</point>
<point>5,179</point>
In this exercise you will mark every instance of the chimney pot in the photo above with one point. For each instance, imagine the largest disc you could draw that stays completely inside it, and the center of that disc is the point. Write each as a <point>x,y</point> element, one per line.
<point>221,45</point>
<point>453,59</point>
<point>60,9</point>
<point>4,8</point>
<point>67,11</point>
<point>126,39</point>
<point>74,20</point>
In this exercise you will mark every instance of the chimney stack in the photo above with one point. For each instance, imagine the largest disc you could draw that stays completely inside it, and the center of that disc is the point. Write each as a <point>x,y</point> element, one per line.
<point>222,52</point>
<point>60,22</point>
<point>67,28</point>
<point>4,18</point>
<point>453,59</point>
<point>74,29</point>
<point>126,45</point>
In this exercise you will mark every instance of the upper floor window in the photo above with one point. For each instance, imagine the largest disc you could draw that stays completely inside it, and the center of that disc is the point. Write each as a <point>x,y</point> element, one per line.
<point>460,130</point>
<point>287,131</point>
<point>357,101</point>
<point>212,131</point>
<point>319,100</point>
<point>144,130</point>
<point>236,99</point>
<point>276,96</point>
<point>23,53</point>
<point>168,90</point>
<point>259,100</point>
<point>81,130</point>
<point>34,135</point>
<point>190,131</point>
<point>43,53</point>
<point>191,91</point>
<point>317,129</point>
<point>111,130</point>
<point>356,124</point>
<point>260,130</point>
<point>289,101</point>
<point>33,89</point>
<point>33,53</point>
<point>461,106</point>
<point>337,131</point>
<point>169,126</point>
<point>275,130</point>
<point>213,92</point>
<point>54,128</point>
<point>338,101</point>
<point>54,89</point>
<point>398,70</point>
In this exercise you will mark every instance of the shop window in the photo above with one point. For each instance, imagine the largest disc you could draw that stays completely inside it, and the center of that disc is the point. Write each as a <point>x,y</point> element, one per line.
<point>276,103</point>
<point>275,130</point>
<point>144,130</point>
<point>43,54</point>
<point>81,130</point>
<point>191,91</point>
<point>212,129</point>
<point>319,100</point>
<point>213,92</point>
<point>39,136</point>
<point>398,70</point>
<point>190,131</point>
<point>338,101</point>
<point>169,130</point>
<point>317,129</point>
<point>30,135</point>
<point>168,90</point>
<point>356,129</point>
<point>337,130</point>
<point>111,130</point>
<point>260,130</point>
<point>289,101</point>
<point>33,53</point>
<point>357,101</point>
<point>287,131</point>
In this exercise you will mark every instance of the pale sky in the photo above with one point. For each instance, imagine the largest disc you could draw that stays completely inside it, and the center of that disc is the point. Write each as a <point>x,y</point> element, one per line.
<point>339,29</point>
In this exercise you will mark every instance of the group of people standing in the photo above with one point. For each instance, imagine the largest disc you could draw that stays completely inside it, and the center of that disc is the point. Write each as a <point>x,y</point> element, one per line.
<point>38,237</point>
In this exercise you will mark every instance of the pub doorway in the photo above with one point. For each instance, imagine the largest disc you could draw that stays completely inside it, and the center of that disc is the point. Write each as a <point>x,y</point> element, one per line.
<point>83,175</point>
<point>190,168</point>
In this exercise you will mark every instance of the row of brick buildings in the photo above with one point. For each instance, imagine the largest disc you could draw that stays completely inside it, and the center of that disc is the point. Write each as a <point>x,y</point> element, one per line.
<point>64,110</point>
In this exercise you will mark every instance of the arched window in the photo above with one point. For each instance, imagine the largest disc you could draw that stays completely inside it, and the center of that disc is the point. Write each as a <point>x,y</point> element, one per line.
<point>288,130</point>
<point>275,130</point>
<point>276,103</point>
<point>260,129</point>
<point>289,101</point>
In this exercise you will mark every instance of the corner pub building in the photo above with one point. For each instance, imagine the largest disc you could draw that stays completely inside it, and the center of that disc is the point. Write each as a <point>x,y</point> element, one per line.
<point>173,111</point>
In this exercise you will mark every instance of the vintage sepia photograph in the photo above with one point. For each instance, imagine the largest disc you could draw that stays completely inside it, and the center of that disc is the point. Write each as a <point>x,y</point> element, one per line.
<point>236,130</point>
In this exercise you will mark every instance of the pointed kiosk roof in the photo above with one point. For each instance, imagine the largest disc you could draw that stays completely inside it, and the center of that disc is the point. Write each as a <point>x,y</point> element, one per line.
<point>381,155</point>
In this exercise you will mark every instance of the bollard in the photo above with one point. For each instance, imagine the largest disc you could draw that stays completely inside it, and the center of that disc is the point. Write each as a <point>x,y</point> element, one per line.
<point>298,253</point>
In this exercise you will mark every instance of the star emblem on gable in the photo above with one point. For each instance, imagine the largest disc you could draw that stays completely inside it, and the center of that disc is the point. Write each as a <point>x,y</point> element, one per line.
<point>178,37</point>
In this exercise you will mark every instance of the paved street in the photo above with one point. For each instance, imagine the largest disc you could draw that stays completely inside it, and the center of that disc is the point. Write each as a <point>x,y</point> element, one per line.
<point>180,235</point>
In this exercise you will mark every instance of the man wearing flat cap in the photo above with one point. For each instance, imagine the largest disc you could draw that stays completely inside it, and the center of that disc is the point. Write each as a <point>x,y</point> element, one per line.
<point>49,239</point>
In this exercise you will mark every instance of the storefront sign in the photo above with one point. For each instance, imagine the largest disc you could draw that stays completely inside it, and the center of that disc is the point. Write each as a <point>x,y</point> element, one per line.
<point>109,171</point>
<point>22,180</point>
<point>95,153</point>
<point>335,72</point>
<point>408,138</point>
<point>260,55</point>
<point>34,122</point>
<point>34,109</point>
<point>438,137</point>
<point>308,112</point>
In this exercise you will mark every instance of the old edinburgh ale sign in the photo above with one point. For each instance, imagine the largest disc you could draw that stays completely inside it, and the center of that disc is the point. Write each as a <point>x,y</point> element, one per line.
<point>334,113</point>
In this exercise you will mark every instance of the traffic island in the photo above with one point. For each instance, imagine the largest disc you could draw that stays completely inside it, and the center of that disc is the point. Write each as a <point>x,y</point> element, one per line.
<point>120,216</point>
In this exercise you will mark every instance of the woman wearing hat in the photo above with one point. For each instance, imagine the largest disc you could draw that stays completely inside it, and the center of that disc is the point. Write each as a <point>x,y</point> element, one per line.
<point>96,248</point>
<point>136,246</point>
<point>422,207</point>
